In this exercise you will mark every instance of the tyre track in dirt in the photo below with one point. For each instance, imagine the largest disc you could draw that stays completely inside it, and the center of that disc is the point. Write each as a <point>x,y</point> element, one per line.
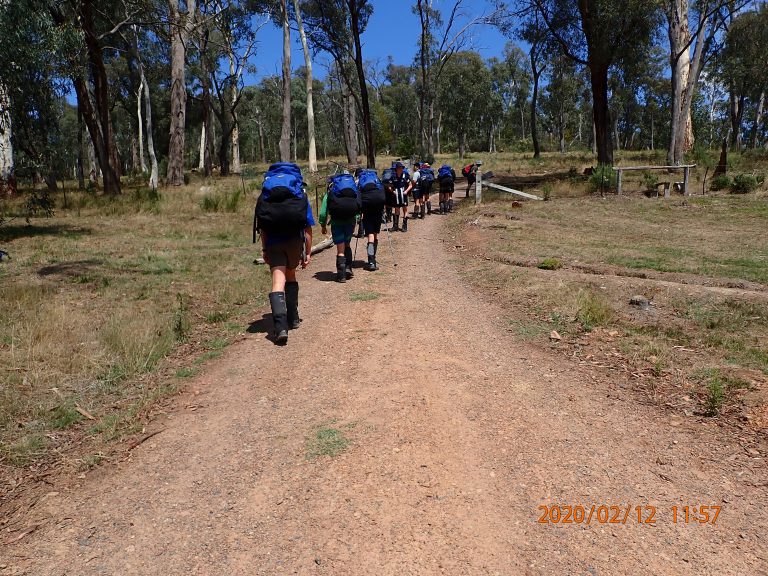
<point>459,431</point>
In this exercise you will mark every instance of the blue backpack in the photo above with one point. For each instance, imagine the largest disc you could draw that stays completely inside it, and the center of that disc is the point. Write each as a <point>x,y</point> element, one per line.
<point>343,197</point>
<point>426,177</point>
<point>282,205</point>
<point>371,191</point>
<point>445,172</point>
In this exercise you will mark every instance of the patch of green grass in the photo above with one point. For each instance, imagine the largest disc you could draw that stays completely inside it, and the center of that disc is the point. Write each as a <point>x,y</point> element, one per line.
<point>363,296</point>
<point>25,450</point>
<point>210,355</point>
<point>717,387</point>
<point>326,441</point>
<point>528,330</point>
<point>216,317</point>
<point>550,264</point>
<point>90,462</point>
<point>217,344</point>
<point>64,416</point>
<point>593,309</point>
<point>185,372</point>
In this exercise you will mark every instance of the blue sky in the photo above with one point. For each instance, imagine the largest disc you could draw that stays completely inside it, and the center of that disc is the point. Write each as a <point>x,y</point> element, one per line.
<point>393,30</point>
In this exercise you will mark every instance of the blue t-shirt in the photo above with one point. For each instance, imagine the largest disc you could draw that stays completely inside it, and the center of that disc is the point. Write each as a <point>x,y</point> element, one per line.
<point>273,239</point>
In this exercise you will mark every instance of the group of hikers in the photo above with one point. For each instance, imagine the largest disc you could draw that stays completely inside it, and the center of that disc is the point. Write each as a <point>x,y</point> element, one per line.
<point>284,221</point>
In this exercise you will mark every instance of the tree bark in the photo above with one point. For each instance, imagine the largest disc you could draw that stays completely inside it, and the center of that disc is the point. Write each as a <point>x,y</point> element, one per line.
<point>312,146</point>
<point>181,27</point>
<point>153,170</point>
<point>736,107</point>
<point>685,72</point>
<point>7,180</point>
<point>370,144</point>
<point>80,170</point>
<point>140,123</point>
<point>100,116</point>
<point>350,124</point>
<point>236,164</point>
<point>534,104</point>
<point>758,120</point>
<point>601,113</point>
<point>285,134</point>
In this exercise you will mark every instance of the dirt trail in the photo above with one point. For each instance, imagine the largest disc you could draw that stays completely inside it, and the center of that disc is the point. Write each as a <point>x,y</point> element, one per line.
<point>459,432</point>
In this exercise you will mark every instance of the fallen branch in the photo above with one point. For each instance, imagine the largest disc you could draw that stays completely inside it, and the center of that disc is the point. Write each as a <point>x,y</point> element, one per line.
<point>144,438</point>
<point>319,247</point>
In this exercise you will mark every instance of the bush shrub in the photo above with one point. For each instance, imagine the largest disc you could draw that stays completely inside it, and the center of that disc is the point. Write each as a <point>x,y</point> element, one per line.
<point>602,179</point>
<point>720,182</point>
<point>743,184</point>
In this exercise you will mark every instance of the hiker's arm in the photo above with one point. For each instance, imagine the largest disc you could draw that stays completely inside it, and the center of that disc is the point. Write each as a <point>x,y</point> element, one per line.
<point>263,236</point>
<point>324,213</point>
<point>307,246</point>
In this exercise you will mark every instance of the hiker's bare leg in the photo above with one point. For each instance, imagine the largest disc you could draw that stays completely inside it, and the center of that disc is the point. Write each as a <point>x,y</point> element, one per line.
<point>279,274</point>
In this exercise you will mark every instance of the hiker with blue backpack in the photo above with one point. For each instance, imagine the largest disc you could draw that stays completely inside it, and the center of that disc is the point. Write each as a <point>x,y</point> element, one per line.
<point>372,198</point>
<point>400,187</point>
<point>446,178</point>
<point>283,218</point>
<point>341,205</point>
<point>423,178</point>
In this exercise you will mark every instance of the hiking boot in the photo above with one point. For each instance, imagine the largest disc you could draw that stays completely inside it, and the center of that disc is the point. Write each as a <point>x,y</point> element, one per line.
<point>370,266</point>
<point>421,214</point>
<point>292,302</point>
<point>341,272</point>
<point>450,205</point>
<point>279,316</point>
<point>348,262</point>
<point>442,208</point>
<point>405,224</point>
<point>396,222</point>
<point>429,207</point>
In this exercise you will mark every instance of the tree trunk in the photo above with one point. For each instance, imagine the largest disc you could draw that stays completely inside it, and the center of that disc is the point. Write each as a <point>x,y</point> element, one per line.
<point>262,151</point>
<point>140,122</point>
<point>80,168</point>
<point>350,124</point>
<point>737,116</point>
<point>135,167</point>
<point>685,73</point>
<point>312,146</point>
<point>181,27</point>
<point>153,170</point>
<point>370,144</point>
<point>201,159</point>
<point>462,144</point>
<point>226,139</point>
<point>99,149</point>
<point>285,134</point>
<point>534,104</point>
<point>439,132</point>
<point>424,21</point>
<point>103,134</point>
<point>601,113</point>
<point>561,131</point>
<point>7,180</point>
<point>758,120</point>
<point>236,165</point>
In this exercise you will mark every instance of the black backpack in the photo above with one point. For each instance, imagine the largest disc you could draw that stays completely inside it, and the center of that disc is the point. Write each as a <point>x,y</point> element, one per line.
<point>371,191</point>
<point>282,205</point>
<point>343,198</point>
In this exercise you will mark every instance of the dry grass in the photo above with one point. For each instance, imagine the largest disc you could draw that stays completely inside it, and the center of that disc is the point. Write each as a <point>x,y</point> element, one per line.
<point>96,298</point>
<point>613,248</point>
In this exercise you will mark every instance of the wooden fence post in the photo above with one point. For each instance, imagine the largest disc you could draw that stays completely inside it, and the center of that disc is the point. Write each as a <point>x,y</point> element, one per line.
<point>479,183</point>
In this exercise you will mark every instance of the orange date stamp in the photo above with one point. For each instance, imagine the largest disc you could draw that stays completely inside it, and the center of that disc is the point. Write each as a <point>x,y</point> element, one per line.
<point>627,514</point>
